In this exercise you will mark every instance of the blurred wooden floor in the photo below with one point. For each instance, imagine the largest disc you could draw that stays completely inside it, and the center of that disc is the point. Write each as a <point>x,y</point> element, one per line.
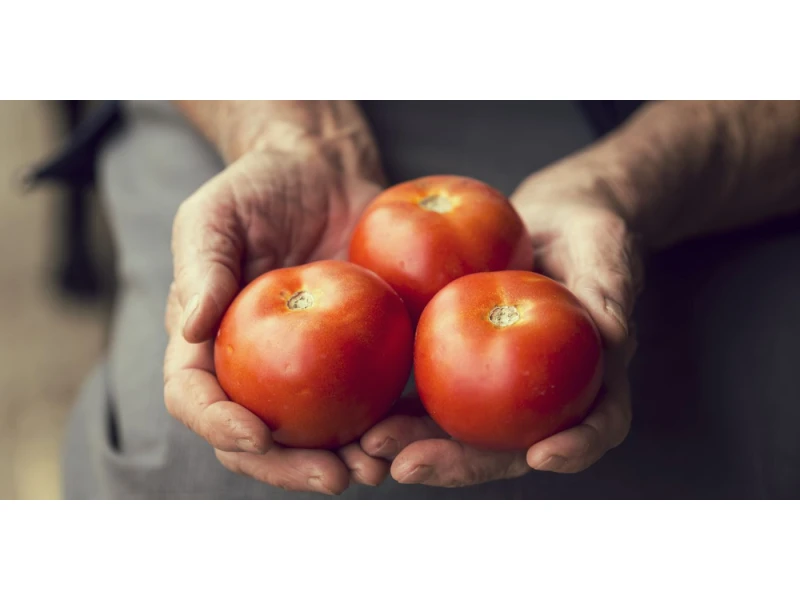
<point>47,344</point>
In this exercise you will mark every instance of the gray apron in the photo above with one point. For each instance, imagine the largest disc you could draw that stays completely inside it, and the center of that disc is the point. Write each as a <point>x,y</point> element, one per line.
<point>715,382</point>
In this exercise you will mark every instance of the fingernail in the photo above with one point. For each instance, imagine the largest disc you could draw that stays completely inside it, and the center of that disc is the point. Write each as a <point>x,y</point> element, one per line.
<point>357,477</point>
<point>613,307</point>
<point>316,484</point>
<point>191,308</point>
<point>551,463</point>
<point>420,474</point>
<point>387,448</point>
<point>247,445</point>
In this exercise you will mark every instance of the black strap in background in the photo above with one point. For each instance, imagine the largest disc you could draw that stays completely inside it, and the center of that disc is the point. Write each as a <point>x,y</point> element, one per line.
<point>74,163</point>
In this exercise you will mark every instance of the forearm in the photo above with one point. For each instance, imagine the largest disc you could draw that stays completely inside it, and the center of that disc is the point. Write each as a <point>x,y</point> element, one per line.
<point>691,168</point>
<point>335,128</point>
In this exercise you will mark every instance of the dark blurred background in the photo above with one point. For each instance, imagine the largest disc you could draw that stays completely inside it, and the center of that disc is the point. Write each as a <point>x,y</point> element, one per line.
<point>56,287</point>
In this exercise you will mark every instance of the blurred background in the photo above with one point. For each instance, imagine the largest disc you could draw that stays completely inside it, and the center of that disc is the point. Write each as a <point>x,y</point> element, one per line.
<point>56,288</point>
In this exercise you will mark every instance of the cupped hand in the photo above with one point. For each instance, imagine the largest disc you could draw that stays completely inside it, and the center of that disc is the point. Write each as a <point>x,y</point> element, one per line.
<point>581,238</point>
<point>264,211</point>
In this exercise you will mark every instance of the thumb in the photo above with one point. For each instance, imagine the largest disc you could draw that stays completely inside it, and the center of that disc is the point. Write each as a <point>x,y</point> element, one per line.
<point>207,247</point>
<point>582,239</point>
<point>602,267</point>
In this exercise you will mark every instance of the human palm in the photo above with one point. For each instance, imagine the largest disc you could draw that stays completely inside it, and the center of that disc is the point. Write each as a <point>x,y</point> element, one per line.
<point>580,238</point>
<point>263,212</point>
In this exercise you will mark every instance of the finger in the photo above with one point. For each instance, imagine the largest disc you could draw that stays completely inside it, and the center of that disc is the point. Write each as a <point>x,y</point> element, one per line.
<point>448,463</point>
<point>193,396</point>
<point>207,247</point>
<point>389,437</point>
<point>606,427</point>
<point>363,468</point>
<point>293,470</point>
<point>578,448</point>
<point>586,244</point>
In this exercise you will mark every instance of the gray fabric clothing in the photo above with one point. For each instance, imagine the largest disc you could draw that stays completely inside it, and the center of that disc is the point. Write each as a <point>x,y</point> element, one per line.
<point>715,385</point>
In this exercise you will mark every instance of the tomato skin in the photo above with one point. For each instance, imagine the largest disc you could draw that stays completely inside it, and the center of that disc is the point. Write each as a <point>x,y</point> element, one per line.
<point>418,251</point>
<point>506,388</point>
<point>320,376</point>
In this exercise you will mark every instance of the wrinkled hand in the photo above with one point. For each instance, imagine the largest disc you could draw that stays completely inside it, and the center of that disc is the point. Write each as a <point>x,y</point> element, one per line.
<point>581,239</point>
<point>263,212</point>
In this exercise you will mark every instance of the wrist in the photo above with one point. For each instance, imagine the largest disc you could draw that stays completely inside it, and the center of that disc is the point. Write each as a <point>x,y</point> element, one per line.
<point>671,166</point>
<point>332,130</point>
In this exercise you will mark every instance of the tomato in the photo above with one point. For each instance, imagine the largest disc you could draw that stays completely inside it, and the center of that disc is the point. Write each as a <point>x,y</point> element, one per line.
<point>319,352</point>
<point>422,234</point>
<point>504,360</point>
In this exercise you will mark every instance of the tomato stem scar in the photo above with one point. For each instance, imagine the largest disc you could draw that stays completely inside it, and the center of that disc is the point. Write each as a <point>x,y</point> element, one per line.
<point>300,301</point>
<point>504,316</point>
<point>437,204</point>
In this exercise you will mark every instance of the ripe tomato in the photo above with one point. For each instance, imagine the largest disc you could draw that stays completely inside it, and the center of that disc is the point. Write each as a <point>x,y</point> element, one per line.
<point>421,235</point>
<point>319,352</point>
<point>504,360</point>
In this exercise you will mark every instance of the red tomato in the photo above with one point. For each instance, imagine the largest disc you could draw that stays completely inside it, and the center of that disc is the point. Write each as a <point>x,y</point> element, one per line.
<point>319,352</point>
<point>421,235</point>
<point>504,360</point>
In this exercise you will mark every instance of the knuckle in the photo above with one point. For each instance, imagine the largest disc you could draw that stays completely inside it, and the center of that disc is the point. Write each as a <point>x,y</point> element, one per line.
<point>221,243</point>
<point>622,428</point>
<point>269,469</point>
<point>217,237</point>
<point>479,471</point>
<point>230,461</point>
<point>593,440</point>
<point>613,228</point>
<point>617,424</point>
<point>197,422</point>
<point>194,421</point>
<point>516,467</point>
<point>282,481</point>
<point>592,434</point>
<point>580,466</point>
<point>181,274</point>
<point>172,396</point>
<point>185,400</point>
<point>217,436</point>
<point>351,455</point>
<point>458,480</point>
<point>279,474</point>
<point>358,476</point>
<point>619,283</point>
<point>487,471</point>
